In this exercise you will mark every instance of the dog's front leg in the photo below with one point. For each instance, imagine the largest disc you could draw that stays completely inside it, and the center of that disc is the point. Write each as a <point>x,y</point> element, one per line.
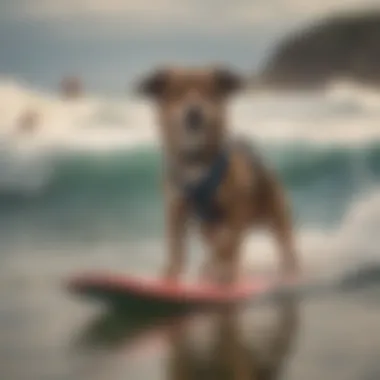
<point>224,242</point>
<point>284,235</point>
<point>176,230</point>
<point>229,253</point>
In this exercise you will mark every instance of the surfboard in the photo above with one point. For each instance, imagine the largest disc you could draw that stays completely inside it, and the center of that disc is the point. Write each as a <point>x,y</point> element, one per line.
<point>135,293</point>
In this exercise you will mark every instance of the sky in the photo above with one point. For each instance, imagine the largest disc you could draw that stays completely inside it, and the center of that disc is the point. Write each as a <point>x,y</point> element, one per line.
<point>109,42</point>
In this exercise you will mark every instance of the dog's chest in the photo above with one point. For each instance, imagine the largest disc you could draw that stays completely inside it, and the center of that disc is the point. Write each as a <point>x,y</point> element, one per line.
<point>200,189</point>
<point>191,175</point>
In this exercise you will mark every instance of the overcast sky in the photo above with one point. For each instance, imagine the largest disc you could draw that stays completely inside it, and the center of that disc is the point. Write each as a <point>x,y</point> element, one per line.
<point>108,42</point>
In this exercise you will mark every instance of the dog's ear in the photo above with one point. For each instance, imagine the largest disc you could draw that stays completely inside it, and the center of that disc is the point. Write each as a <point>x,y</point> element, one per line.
<point>154,84</point>
<point>228,82</point>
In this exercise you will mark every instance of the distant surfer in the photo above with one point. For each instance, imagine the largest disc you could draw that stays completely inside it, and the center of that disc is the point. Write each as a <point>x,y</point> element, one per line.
<point>71,87</point>
<point>28,121</point>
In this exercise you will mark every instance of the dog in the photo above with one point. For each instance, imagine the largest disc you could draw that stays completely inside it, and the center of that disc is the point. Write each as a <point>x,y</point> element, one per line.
<point>223,183</point>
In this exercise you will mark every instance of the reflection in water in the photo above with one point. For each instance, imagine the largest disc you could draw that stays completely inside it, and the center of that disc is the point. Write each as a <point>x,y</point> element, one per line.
<point>232,351</point>
<point>232,355</point>
<point>118,331</point>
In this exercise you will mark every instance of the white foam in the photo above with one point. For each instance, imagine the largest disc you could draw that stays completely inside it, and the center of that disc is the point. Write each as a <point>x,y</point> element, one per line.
<point>344,114</point>
<point>355,241</point>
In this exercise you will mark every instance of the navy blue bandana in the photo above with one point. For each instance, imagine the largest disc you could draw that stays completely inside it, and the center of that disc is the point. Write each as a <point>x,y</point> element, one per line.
<point>202,194</point>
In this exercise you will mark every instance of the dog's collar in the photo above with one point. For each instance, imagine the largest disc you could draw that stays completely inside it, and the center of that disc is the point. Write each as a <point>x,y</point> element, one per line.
<point>202,193</point>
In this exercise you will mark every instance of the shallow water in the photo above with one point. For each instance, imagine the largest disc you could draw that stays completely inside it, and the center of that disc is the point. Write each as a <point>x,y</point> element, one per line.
<point>334,334</point>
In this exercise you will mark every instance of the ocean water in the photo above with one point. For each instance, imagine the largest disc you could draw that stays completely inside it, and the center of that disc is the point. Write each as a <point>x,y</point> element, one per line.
<point>83,192</point>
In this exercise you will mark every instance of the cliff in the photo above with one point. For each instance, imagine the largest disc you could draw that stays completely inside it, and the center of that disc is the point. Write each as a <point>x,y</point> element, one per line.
<point>346,46</point>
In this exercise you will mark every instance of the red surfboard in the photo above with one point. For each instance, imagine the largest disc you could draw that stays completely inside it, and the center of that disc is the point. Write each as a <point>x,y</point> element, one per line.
<point>139,293</point>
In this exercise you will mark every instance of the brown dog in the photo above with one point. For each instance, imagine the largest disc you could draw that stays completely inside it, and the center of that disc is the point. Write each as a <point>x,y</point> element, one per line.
<point>207,175</point>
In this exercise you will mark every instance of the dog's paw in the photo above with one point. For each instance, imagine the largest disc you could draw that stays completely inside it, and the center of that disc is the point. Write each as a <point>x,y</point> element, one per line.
<point>171,274</point>
<point>226,278</point>
<point>207,273</point>
<point>218,273</point>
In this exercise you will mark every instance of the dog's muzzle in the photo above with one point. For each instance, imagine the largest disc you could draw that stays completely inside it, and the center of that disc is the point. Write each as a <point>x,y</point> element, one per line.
<point>193,119</point>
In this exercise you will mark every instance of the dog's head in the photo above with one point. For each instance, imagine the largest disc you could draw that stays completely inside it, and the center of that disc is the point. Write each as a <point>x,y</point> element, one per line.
<point>191,106</point>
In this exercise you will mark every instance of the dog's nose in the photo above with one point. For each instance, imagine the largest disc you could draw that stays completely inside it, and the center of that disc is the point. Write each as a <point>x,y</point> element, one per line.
<point>194,118</point>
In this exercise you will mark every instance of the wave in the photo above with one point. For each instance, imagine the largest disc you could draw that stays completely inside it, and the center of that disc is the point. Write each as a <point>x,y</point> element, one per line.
<point>305,165</point>
<point>137,170</point>
<point>73,196</point>
<point>102,153</point>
